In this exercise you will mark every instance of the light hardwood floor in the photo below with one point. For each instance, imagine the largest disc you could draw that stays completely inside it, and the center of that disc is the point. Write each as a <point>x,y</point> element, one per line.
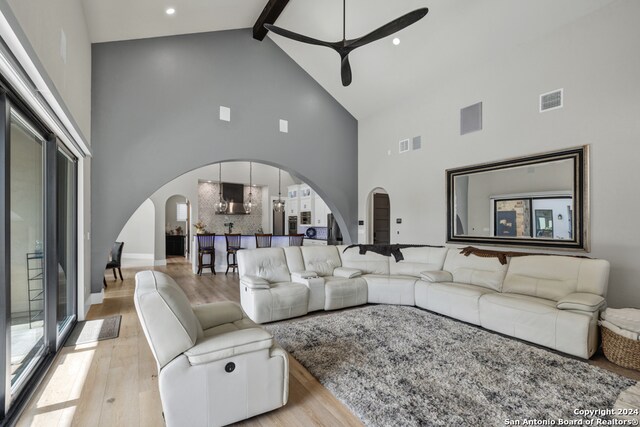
<point>114,382</point>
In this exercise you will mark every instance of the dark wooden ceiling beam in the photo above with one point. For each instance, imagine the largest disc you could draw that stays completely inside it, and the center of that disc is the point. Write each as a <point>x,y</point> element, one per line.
<point>269,14</point>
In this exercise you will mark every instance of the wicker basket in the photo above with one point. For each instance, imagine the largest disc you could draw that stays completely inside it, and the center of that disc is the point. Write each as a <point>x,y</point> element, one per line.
<point>620,350</point>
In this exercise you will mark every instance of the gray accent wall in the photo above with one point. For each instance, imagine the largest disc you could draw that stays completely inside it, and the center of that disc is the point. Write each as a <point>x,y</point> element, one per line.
<point>155,108</point>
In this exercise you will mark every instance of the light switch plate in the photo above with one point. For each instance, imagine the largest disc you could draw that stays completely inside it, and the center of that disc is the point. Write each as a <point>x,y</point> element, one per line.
<point>284,126</point>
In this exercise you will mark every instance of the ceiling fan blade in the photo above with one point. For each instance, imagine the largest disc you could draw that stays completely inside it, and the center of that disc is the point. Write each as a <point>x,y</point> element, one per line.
<point>390,28</point>
<point>345,71</point>
<point>297,37</point>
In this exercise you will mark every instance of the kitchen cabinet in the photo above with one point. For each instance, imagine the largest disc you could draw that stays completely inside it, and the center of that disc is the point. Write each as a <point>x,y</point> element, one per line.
<point>304,191</point>
<point>174,245</point>
<point>292,191</point>
<point>306,204</point>
<point>293,204</point>
<point>320,211</point>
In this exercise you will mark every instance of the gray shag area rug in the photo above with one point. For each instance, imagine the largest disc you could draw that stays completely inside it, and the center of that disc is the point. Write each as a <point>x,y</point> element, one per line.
<point>94,330</point>
<point>403,366</point>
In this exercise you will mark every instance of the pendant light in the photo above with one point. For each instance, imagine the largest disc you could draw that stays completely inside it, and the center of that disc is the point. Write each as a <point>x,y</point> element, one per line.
<point>221,205</point>
<point>248,204</point>
<point>278,205</point>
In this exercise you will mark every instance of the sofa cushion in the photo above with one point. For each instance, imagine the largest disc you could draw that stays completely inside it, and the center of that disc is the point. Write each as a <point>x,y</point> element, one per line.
<point>457,300</point>
<point>346,272</point>
<point>417,260</point>
<point>166,316</point>
<point>383,289</point>
<point>321,259</point>
<point>294,258</point>
<point>581,301</point>
<point>475,270</point>
<point>368,263</point>
<point>341,292</point>
<point>554,277</point>
<point>267,263</point>
<point>436,276</point>
<point>539,321</point>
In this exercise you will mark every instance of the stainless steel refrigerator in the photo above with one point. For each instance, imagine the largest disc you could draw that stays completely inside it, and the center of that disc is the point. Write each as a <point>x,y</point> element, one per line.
<point>334,236</point>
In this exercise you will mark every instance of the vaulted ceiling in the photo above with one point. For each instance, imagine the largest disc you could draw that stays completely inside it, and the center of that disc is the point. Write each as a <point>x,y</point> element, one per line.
<point>456,34</point>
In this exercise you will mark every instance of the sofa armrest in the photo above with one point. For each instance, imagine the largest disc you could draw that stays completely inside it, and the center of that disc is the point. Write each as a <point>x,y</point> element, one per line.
<point>303,274</point>
<point>217,313</point>
<point>254,282</point>
<point>436,276</point>
<point>581,301</point>
<point>346,272</point>
<point>228,344</point>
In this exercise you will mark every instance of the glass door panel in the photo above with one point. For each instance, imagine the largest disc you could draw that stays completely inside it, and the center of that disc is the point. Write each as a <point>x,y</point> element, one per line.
<point>28,294</point>
<point>66,233</point>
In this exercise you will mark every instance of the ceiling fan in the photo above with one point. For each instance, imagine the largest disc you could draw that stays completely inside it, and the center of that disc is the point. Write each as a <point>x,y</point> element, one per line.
<point>344,47</point>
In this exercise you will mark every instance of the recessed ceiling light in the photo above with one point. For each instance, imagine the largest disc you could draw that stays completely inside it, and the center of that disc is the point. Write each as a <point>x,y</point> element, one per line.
<point>396,41</point>
<point>170,11</point>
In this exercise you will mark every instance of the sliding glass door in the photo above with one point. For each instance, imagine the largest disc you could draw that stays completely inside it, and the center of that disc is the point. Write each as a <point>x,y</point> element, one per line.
<point>38,250</point>
<point>66,236</point>
<point>26,166</point>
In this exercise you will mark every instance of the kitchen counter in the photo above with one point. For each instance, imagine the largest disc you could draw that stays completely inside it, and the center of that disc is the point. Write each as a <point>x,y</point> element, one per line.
<point>247,241</point>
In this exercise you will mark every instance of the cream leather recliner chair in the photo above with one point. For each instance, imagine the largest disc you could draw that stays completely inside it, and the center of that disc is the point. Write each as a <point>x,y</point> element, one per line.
<point>215,366</point>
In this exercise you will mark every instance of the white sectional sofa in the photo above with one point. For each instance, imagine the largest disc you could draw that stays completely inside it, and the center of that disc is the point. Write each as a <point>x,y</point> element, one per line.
<point>549,300</point>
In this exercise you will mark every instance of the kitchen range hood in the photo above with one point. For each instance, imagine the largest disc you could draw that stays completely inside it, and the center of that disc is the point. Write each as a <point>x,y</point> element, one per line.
<point>234,195</point>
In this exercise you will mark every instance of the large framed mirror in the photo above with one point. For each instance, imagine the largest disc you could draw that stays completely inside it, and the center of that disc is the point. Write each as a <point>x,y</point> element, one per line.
<point>540,200</point>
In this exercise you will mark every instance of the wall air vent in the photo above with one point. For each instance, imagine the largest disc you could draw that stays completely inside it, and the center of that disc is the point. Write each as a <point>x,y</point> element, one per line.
<point>471,118</point>
<point>403,146</point>
<point>416,143</point>
<point>551,100</point>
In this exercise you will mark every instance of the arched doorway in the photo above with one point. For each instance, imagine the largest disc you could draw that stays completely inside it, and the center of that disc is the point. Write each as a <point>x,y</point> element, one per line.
<point>379,204</point>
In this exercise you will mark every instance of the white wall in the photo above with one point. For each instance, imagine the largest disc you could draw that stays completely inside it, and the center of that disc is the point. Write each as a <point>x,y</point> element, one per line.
<point>139,236</point>
<point>43,22</point>
<point>595,60</point>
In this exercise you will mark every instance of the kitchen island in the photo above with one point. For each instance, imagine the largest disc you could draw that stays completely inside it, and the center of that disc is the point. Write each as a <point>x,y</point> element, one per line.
<point>220,246</point>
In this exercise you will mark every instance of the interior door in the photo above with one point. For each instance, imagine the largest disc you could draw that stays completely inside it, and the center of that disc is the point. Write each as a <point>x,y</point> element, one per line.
<point>381,219</point>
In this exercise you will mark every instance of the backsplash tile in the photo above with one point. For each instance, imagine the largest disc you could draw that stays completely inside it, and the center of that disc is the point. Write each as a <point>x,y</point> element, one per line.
<point>209,194</point>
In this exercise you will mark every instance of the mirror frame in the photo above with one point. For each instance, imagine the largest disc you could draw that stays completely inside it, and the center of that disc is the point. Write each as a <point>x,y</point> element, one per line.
<point>581,222</point>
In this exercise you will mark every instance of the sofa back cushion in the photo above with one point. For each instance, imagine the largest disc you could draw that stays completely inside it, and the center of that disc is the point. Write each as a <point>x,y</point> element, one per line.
<point>321,259</point>
<point>417,260</point>
<point>554,277</point>
<point>294,258</point>
<point>267,263</point>
<point>166,316</point>
<point>368,263</point>
<point>475,270</point>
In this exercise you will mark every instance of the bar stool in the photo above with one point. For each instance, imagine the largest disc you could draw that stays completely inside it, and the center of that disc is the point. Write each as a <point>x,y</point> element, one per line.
<point>296,239</point>
<point>263,240</point>
<point>233,246</point>
<point>206,247</point>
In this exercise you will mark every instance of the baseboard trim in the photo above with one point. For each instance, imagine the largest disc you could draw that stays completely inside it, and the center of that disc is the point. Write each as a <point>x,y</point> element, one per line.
<point>96,298</point>
<point>137,256</point>
<point>160,262</point>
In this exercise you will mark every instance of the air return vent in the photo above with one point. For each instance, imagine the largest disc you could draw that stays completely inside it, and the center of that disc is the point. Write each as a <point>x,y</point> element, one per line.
<point>551,100</point>
<point>403,146</point>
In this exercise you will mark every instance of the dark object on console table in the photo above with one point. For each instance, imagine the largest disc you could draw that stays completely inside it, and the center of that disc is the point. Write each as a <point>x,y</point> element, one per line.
<point>175,244</point>
<point>388,250</point>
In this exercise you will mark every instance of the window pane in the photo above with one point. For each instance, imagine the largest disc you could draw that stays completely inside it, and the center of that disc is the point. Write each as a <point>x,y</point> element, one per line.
<point>181,212</point>
<point>66,205</point>
<point>27,238</point>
